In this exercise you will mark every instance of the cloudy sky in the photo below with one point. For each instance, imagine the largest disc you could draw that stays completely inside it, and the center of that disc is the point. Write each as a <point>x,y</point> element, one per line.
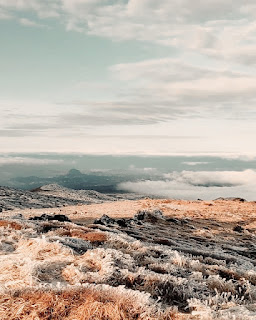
<point>128,76</point>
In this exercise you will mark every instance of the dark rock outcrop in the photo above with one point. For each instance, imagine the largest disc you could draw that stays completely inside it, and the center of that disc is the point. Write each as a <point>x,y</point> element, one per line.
<point>47,217</point>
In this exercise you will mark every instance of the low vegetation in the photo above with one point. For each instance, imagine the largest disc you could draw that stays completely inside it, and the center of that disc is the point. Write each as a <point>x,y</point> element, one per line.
<point>149,267</point>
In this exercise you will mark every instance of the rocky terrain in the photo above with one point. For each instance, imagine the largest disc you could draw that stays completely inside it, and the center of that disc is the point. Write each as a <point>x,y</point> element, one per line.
<point>53,195</point>
<point>143,259</point>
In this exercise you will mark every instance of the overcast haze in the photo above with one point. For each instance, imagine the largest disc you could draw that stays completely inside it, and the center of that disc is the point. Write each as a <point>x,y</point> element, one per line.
<point>124,77</point>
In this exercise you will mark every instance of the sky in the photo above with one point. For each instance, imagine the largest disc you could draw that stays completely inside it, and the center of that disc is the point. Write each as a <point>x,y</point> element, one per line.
<point>128,76</point>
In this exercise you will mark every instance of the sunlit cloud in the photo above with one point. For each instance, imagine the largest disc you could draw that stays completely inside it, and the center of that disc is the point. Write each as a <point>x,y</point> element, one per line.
<point>201,184</point>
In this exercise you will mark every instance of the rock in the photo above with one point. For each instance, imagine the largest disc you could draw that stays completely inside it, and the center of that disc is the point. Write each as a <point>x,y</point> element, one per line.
<point>236,199</point>
<point>7,246</point>
<point>231,199</point>
<point>46,227</point>
<point>238,229</point>
<point>78,245</point>
<point>173,220</point>
<point>149,216</point>
<point>47,217</point>
<point>105,220</point>
<point>18,216</point>
<point>61,218</point>
<point>122,222</point>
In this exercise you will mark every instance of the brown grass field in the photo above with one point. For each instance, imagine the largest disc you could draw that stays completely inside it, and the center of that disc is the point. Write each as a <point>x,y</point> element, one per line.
<point>174,260</point>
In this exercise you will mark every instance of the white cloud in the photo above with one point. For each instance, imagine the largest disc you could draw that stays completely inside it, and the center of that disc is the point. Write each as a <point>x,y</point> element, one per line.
<point>146,93</point>
<point>194,163</point>
<point>216,178</point>
<point>203,185</point>
<point>27,161</point>
<point>4,15</point>
<point>30,23</point>
<point>155,91</point>
<point>217,28</point>
<point>223,29</point>
<point>44,9</point>
<point>182,90</point>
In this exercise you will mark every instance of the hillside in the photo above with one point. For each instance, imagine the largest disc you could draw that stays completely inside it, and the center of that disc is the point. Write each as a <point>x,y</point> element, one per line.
<point>53,195</point>
<point>146,259</point>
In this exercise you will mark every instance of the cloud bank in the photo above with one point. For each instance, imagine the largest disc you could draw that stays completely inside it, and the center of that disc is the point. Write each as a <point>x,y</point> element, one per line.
<point>202,184</point>
<point>9,160</point>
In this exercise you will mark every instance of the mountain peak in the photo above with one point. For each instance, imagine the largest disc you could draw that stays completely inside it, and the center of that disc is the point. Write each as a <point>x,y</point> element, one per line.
<point>74,173</point>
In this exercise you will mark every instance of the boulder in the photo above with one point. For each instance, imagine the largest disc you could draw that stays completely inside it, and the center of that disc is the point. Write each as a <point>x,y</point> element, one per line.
<point>47,217</point>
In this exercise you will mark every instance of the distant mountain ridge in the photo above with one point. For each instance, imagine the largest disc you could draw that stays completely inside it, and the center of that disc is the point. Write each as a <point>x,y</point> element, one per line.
<point>74,179</point>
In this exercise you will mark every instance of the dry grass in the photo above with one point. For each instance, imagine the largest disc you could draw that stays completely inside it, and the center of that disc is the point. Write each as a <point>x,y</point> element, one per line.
<point>10,224</point>
<point>89,236</point>
<point>121,275</point>
<point>77,304</point>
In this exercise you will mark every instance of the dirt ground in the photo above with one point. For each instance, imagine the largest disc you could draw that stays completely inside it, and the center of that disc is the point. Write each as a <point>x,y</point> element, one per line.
<point>226,211</point>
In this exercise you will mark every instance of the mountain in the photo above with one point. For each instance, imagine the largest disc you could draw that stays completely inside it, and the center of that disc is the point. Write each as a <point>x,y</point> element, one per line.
<point>74,179</point>
<point>74,173</point>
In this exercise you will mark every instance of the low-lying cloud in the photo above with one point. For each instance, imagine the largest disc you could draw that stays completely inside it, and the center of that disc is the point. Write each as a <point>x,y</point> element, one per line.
<point>195,163</point>
<point>27,161</point>
<point>203,184</point>
<point>213,179</point>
